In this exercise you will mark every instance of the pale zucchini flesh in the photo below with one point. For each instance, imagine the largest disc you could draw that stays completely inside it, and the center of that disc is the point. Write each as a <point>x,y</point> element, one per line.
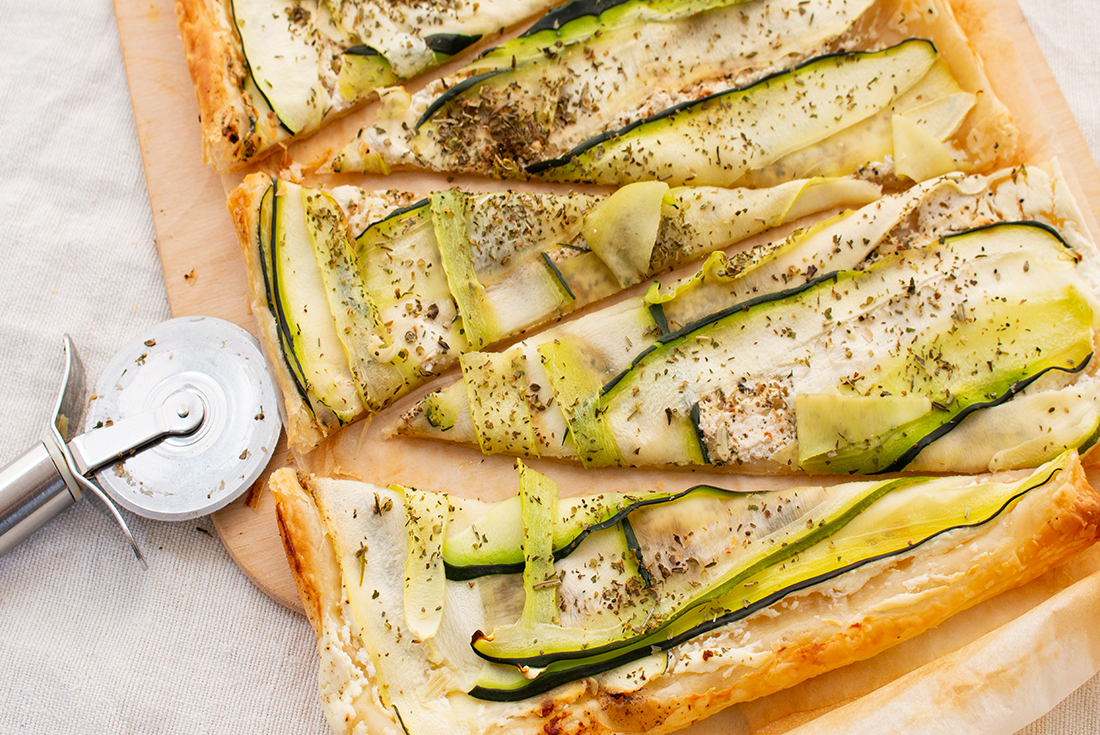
<point>479,319</point>
<point>426,520</point>
<point>597,348</point>
<point>935,105</point>
<point>413,37</point>
<point>750,128</point>
<point>719,364</point>
<point>855,525</point>
<point>498,402</point>
<point>494,545</point>
<point>284,58</point>
<point>514,108</point>
<point>409,294</point>
<point>311,346</point>
<point>592,350</point>
<point>355,318</point>
<point>308,61</point>
<point>578,22</point>
<point>675,570</point>
<point>538,499</point>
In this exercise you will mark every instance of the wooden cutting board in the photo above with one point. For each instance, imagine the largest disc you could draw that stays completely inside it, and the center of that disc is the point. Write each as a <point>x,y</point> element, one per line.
<point>204,272</point>
<point>203,269</point>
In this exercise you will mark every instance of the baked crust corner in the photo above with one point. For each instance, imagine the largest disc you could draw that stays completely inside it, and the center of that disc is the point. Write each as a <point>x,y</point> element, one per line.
<point>231,135</point>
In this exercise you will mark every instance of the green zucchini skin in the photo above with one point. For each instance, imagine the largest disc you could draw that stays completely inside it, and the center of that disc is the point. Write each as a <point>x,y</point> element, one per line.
<point>657,312</point>
<point>449,44</point>
<point>570,274</point>
<point>543,93</point>
<point>462,572</point>
<point>636,549</point>
<point>687,330</point>
<point>558,19</point>
<point>298,250</point>
<point>442,45</point>
<point>672,312</point>
<point>383,366</point>
<point>668,337</point>
<point>1090,442</point>
<point>288,50</point>
<point>361,50</point>
<point>560,672</point>
<point>693,414</point>
<point>815,534</point>
<point>873,460</point>
<point>910,454</point>
<point>541,168</point>
<point>578,21</point>
<point>399,212</point>
<point>453,93</point>
<point>571,11</point>
<point>428,309</point>
<point>267,248</point>
<point>557,274</point>
<point>284,100</point>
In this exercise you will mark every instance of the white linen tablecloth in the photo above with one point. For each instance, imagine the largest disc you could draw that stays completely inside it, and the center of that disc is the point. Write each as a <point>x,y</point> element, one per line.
<point>90,643</point>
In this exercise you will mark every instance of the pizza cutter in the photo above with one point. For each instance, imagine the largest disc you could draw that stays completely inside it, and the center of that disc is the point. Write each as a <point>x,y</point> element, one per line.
<point>182,421</point>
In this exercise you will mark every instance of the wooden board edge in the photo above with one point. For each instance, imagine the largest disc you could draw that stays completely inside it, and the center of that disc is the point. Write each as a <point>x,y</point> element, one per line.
<point>203,271</point>
<point>250,535</point>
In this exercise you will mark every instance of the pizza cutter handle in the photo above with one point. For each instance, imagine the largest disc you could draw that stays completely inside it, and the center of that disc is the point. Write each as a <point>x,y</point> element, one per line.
<point>33,489</point>
<point>45,479</point>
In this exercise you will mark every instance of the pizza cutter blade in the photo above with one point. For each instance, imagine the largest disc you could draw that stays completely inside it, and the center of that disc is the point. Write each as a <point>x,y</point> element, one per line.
<point>183,420</point>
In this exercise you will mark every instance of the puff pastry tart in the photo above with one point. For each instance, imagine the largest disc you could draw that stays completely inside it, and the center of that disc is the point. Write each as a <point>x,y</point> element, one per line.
<point>269,72</point>
<point>647,612</point>
<point>930,305</point>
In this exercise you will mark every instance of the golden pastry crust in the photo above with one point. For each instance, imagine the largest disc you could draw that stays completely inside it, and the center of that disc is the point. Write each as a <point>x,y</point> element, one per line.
<point>232,131</point>
<point>317,576</point>
<point>989,135</point>
<point>848,619</point>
